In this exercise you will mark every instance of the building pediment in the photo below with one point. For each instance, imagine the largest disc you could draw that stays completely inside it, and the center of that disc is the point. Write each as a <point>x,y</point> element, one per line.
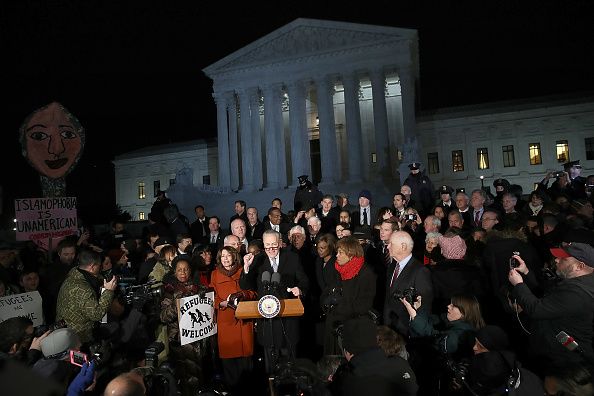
<point>304,38</point>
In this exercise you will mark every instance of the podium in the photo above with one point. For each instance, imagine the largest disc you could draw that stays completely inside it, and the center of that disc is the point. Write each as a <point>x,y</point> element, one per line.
<point>289,307</point>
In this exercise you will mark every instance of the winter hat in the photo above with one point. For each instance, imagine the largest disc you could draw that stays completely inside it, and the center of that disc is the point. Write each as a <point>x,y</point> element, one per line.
<point>581,251</point>
<point>359,335</point>
<point>59,341</point>
<point>453,248</point>
<point>493,338</point>
<point>365,194</point>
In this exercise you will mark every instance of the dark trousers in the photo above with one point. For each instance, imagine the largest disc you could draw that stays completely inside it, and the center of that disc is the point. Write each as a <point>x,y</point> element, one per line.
<point>236,372</point>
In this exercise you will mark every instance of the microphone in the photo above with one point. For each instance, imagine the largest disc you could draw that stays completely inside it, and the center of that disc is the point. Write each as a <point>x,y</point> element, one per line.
<point>275,283</point>
<point>266,281</point>
<point>568,341</point>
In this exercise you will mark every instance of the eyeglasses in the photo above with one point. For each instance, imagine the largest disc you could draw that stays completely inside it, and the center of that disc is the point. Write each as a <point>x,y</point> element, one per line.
<point>271,247</point>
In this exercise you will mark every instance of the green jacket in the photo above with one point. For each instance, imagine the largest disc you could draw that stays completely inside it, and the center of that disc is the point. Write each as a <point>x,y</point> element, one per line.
<point>78,305</point>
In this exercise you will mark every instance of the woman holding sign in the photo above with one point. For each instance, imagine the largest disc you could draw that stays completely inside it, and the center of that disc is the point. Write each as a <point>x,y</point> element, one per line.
<point>188,357</point>
<point>235,336</point>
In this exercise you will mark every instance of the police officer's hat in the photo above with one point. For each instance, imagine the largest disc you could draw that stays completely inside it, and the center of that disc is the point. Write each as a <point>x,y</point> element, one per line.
<point>414,165</point>
<point>571,164</point>
<point>303,179</point>
<point>460,190</point>
<point>501,182</point>
<point>446,190</point>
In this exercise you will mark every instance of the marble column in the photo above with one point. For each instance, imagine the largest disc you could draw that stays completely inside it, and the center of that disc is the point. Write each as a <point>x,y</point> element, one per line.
<point>279,131</point>
<point>233,148</point>
<point>272,170</point>
<point>328,145</point>
<point>380,119</point>
<point>300,151</point>
<point>350,81</point>
<point>407,89</point>
<point>224,178</point>
<point>254,95</point>
<point>247,142</point>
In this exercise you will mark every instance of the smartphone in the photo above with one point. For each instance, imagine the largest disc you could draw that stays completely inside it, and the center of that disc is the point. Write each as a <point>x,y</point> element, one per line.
<point>78,358</point>
<point>513,262</point>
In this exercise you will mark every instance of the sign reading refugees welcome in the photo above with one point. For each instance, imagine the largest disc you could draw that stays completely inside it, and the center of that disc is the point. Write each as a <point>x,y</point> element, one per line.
<point>27,305</point>
<point>196,317</point>
<point>39,219</point>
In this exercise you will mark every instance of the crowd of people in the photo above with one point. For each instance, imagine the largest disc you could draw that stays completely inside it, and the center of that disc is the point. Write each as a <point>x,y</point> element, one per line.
<point>439,292</point>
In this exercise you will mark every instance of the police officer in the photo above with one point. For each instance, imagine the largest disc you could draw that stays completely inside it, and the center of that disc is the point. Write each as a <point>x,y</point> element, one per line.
<point>446,202</point>
<point>307,194</point>
<point>501,187</point>
<point>421,188</point>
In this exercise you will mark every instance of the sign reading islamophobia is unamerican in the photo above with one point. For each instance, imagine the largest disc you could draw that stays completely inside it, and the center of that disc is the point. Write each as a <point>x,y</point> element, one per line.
<point>196,317</point>
<point>39,219</point>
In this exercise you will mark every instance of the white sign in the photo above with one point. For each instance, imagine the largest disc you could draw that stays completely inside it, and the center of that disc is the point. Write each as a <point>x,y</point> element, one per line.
<point>196,318</point>
<point>27,305</point>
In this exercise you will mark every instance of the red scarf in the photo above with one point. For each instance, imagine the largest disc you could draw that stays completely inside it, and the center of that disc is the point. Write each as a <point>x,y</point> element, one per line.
<point>350,269</point>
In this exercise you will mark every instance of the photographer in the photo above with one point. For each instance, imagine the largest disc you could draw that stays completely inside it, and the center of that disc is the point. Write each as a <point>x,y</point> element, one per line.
<point>81,303</point>
<point>235,336</point>
<point>18,342</point>
<point>568,307</point>
<point>357,283</point>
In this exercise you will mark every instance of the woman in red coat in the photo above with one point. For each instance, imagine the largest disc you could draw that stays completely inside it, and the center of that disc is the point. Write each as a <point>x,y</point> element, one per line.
<point>235,336</point>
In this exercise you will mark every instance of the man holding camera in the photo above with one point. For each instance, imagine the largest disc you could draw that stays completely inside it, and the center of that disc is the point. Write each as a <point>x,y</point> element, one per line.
<point>81,302</point>
<point>568,182</point>
<point>567,309</point>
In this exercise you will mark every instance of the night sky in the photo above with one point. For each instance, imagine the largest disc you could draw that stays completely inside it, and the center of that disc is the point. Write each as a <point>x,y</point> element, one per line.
<point>131,70</point>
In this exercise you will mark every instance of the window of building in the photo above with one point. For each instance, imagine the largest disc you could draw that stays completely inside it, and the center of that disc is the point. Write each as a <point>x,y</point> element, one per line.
<point>562,151</point>
<point>141,216</point>
<point>433,163</point>
<point>589,143</point>
<point>509,158</point>
<point>171,182</point>
<point>482,158</point>
<point>206,180</point>
<point>535,157</point>
<point>457,161</point>
<point>141,194</point>
<point>156,187</point>
<point>373,158</point>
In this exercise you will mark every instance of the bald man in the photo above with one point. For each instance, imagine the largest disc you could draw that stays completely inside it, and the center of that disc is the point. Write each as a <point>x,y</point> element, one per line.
<point>404,272</point>
<point>127,384</point>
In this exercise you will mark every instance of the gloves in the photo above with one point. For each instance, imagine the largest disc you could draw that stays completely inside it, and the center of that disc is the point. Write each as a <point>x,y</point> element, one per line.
<point>83,380</point>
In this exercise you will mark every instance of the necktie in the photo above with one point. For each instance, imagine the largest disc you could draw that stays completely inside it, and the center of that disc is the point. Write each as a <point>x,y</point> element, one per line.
<point>276,228</point>
<point>395,274</point>
<point>274,264</point>
<point>213,239</point>
<point>365,216</point>
<point>387,257</point>
<point>476,218</point>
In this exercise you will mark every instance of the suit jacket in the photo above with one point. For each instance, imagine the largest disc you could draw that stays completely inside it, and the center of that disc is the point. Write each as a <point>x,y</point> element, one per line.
<point>284,227</point>
<point>329,221</point>
<point>198,230</point>
<point>416,275</point>
<point>214,247</point>
<point>256,231</point>
<point>356,216</point>
<point>292,274</point>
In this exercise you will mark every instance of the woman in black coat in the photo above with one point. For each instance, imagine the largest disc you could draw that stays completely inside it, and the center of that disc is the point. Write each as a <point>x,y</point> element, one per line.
<point>352,294</point>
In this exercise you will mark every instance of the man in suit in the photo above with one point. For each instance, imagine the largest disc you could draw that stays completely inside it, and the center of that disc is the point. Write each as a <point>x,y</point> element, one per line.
<point>275,222</point>
<point>477,202</point>
<point>255,228</point>
<point>462,202</point>
<point>199,228</point>
<point>365,213</point>
<point>328,215</point>
<point>278,336</point>
<point>404,272</point>
<point>240,212</point>
<point>215,236</point>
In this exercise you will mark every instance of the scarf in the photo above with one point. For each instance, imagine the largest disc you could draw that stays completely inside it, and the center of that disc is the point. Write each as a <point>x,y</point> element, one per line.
<point>230,272</point>
<point>93,281</point>
<point>350,269</point>
<point>534,209</point>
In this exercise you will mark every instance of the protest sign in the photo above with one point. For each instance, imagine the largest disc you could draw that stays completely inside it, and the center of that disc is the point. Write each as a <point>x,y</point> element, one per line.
<point>196,317</point>
<point>27,305</point>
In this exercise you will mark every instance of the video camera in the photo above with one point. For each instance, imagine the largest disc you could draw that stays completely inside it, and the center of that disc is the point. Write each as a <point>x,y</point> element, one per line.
<point>290,380</point>
<point>43,328</point>
<point>332,299</point>
<point>138,295</point>
<point>558,174</point>
<point>411,217</point>
<point>410,294</point>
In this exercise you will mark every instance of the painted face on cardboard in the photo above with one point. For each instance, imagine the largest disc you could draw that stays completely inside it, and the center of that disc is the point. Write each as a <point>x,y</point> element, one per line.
<point>52,140</point>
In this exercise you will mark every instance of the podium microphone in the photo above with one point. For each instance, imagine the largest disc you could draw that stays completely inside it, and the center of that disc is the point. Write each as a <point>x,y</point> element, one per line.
<point>568,342</point>
<point>266,281</point>
<point>275,282</point>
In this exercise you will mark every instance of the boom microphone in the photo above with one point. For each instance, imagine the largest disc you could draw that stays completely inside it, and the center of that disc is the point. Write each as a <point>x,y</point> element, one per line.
<point>568,341</point>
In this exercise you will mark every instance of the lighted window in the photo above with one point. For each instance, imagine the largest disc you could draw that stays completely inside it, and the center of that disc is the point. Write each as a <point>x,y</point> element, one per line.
<point>535,186</point>
<point>509,158</point>
<point>141,216</point>
<point>535,158</point>
<point>562,151</point>
<point>457,161</point>
<point>589,143</point>
<point>156,187</point>
<point>141,194</point>
<point>373,158</point>
<point>482,158</point>
<point>433,163</point>
<point>206,180</point>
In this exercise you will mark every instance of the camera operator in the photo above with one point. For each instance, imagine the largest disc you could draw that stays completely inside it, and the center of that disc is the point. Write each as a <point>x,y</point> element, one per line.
<point>81,303</point>
<point>357,286</point>
<point>568,307</point>
<point>18,342</point>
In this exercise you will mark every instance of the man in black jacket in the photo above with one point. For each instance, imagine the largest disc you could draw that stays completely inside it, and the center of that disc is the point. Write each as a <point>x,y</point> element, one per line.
<point>369,371</point>
<point>568,308</point>
<point>278,336</point>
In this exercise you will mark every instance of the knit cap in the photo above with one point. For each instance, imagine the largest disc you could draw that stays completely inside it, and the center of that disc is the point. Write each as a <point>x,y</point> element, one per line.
<point>453,248</point>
